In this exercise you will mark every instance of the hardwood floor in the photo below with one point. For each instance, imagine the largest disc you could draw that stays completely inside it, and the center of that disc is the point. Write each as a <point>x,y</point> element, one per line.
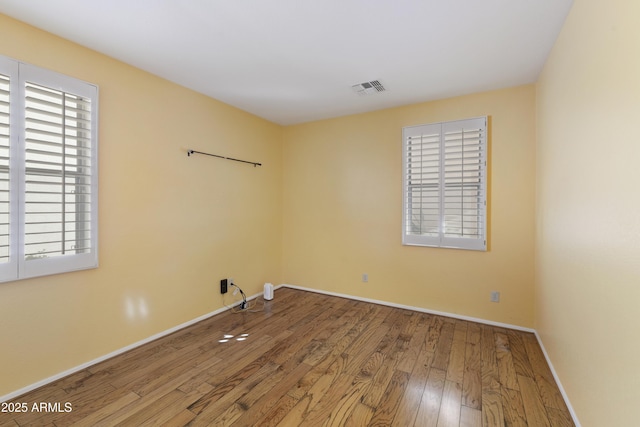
<point>312,360</point>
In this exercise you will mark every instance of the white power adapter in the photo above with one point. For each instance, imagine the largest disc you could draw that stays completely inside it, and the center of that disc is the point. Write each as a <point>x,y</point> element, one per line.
<point>268,291</point>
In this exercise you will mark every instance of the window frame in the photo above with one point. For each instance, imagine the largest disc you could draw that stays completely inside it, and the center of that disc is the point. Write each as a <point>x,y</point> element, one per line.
<point>438,237</point>
<point>19,267</point>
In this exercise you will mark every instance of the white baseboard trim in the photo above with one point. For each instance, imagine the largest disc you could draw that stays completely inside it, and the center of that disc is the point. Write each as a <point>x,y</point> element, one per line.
<point>557,379</point>
<point>413,308</point>
<point>147,340</point>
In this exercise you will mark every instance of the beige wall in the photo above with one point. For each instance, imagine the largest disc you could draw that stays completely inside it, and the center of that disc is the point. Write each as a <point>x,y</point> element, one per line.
<point>588,204</point>
<point>343,211</point>
<point>170,226</point>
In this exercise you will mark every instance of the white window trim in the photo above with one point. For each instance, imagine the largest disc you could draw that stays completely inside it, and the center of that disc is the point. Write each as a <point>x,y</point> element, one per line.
<point>478,243</point>
<point>18,267</point>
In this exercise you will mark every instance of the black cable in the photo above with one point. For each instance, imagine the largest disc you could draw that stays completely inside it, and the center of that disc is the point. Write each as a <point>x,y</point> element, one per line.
<point>243,304</point>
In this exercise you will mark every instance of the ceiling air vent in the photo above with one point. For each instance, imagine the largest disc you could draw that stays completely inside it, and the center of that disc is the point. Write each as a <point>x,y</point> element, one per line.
<point>368,88</point>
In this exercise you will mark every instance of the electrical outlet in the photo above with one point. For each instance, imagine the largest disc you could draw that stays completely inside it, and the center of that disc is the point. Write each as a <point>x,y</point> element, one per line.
<point>223,286</point>
<point>365,277</point>
<point>495,296</point>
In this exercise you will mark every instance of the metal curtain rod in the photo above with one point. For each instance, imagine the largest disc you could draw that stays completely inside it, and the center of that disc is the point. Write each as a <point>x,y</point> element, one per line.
<point>190,152</point>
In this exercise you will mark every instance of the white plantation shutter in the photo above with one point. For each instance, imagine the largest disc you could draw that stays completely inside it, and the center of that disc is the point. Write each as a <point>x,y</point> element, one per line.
<point>5,91</point>
<point>53,174</point>
<point>9,130</point>
<point>444,170</point>
<point>422,216</point>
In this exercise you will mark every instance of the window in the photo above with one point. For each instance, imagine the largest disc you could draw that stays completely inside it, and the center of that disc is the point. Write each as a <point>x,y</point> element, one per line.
<point>48,172</point>
<point>444,175</point>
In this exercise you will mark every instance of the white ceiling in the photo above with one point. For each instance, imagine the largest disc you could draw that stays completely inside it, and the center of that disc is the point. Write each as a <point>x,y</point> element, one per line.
<point>293,61</point>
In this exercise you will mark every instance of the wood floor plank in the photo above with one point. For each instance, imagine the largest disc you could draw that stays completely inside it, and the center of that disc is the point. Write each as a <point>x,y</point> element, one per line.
<point>273,415</point>
<point>431,399</point>
<point>443,348</point>
<point>490,374</point>
<point>142,371</point>
<point>316,392</point>
<point>345,407</point>
<point>513,407</point>
<point>410,403</point>
<point>559,418</point>
<point>88,401</point>
<point>104,411</point>
<point>364,347</point>
<point>393,322</point>
<point>295,416</point>
<point>532,402</point>
<point>474,333</point>
<point>450,407</point>
<point>542,374</point>
<point>385,412</point>
<point>506,368</point>
<point>313,359</point>
<point>344,339</point>
<point>192,363</point>
<point>455,368</point>
<point>339,309</point>
<point>472,379</point>
<point>519,354</point>
<point>416,342</point>
<point>162,410</point>
<point>248,359</point>
<point>319,412</point>
<point>470,417</point>
<point>243,369</point>
<point>225,377</point>
<point>210,406</point>
<point>361,416</point>
<point>182,418</point>
<point>433,334</point>
<point>492,410</point>
<point>255,403</point>
<point>344,330</point>
<point>118,416</point>
<point>385,374</point>
<point>83,379</point>
<point>300,339</point>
